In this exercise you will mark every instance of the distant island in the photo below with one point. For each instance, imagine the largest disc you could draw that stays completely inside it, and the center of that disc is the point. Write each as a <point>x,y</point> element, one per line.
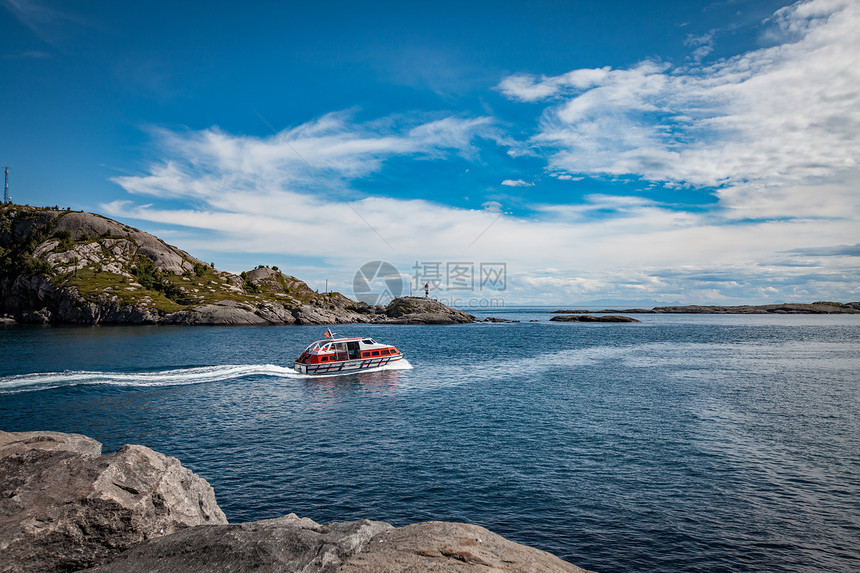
<point>70,267</point>
<point>821,307</point>
<point>591,318</point>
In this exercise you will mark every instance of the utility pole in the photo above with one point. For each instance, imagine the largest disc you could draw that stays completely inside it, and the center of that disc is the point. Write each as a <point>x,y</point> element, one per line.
<point>6,197</point>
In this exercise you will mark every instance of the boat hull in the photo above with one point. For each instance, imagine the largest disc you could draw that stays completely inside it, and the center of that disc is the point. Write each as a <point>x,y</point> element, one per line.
<point>341,366</point>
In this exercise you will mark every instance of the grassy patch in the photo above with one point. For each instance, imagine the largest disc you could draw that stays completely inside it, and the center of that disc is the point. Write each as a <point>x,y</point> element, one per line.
<point>92,284</point>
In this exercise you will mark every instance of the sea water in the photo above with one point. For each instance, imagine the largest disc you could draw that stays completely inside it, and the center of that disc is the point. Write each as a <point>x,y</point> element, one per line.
<point>681,443</point>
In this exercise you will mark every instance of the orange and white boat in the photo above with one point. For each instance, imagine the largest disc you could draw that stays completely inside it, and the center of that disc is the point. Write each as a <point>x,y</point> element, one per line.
<point>335,355</point>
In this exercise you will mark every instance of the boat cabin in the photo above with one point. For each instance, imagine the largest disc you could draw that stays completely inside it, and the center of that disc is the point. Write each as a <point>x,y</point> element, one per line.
<point>341,349</point>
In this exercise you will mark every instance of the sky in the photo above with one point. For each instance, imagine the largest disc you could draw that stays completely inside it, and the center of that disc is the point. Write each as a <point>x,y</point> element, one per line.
<point>506,153</point>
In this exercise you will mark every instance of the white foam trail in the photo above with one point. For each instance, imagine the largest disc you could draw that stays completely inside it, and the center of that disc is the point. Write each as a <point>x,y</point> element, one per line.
<point>45,380</point>
<point>180,376</point>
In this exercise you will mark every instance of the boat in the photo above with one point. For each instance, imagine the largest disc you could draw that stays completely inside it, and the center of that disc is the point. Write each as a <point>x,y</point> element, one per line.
<point>336,355</point>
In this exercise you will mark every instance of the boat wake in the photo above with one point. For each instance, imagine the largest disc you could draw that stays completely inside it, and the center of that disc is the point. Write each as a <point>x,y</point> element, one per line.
<point>198,375</point>
<point>401,364</point>
<point>176,377</point>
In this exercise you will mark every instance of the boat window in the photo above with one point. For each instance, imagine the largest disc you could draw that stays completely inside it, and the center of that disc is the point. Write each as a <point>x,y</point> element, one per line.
<point>368,341</point>
<point>342,353</point>
<point>375,353</point>
<point>324,359</point>
<point>384,351</point>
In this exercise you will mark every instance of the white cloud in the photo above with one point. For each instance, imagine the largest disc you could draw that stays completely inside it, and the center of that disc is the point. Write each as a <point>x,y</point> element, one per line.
<point>492,206</point>
<point>785,114</point>
<point>516,183</point>
<point>528,88</point>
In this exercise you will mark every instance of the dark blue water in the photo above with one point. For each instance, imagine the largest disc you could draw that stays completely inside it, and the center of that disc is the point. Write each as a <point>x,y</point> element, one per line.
<point>684,443</point>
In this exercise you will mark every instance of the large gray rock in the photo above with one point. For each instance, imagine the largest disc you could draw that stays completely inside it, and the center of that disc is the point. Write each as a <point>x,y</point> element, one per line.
<point>165,257</point>
<point>414,310</point>
<point>65,507</point>
<point>443,547</point>
<point>225,313</point>
<point>285,544</point>
<point>292,544</point>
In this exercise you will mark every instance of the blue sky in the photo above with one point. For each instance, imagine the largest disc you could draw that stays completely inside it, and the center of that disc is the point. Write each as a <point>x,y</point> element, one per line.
<point>606,152</point>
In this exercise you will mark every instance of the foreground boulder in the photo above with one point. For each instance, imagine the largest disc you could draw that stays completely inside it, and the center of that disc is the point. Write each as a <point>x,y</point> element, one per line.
<point>299,544</point>
<point>442,547</point>
<point>64,506</point>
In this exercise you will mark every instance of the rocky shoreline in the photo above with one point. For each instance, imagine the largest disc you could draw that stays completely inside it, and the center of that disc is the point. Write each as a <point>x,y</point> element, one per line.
<point>66,507</point>
<point>70,267</point>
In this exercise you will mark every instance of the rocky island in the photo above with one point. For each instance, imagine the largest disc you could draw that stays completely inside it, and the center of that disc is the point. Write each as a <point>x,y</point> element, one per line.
<point>62,266</point>
<point>66,507</point>
<point>591,318</point>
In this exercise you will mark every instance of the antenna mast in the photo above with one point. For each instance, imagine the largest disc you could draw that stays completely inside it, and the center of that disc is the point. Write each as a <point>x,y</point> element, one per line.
<point>6,198</point>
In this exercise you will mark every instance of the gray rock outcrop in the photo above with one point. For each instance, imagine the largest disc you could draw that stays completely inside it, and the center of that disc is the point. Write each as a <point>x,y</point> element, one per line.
<point>64,506</point>
<point>444,547</point>
<point>414,310</point>
<point>125,240</point>
<point>299,544</point>
<point>285,544</point>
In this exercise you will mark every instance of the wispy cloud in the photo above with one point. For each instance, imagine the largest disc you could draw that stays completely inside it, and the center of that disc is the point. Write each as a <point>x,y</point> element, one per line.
<point>834,251</point>
<point>48,23</point>
<point>27,55</point>
<point>703,44</point>
<point>207,164</point>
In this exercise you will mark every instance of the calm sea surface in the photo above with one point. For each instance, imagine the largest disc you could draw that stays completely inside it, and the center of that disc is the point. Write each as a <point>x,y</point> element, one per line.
<point>683,443</point>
